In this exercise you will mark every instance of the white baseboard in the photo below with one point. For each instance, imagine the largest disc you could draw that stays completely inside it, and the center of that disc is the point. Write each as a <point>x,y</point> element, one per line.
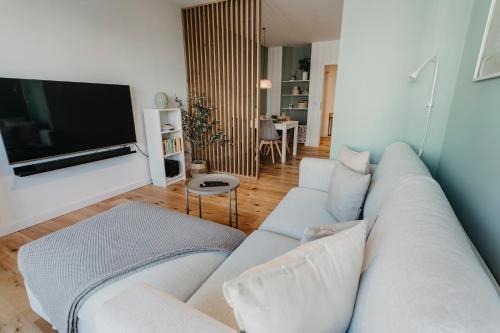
<point>20,225</point>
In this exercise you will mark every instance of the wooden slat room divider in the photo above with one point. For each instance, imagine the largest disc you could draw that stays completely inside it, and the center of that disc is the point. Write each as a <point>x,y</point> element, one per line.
<point>222,47</point>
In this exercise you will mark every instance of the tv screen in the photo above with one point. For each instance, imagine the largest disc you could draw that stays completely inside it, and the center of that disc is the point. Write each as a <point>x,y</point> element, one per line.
<point>41,119</point>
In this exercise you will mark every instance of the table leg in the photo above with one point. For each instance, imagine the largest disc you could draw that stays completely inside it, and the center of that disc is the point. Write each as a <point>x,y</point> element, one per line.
<point>199,205</point>
<point>230,210</point>
<point>236,205</point>
<point>295,139</point>
<point>187,201</point>
<point>284,138</point>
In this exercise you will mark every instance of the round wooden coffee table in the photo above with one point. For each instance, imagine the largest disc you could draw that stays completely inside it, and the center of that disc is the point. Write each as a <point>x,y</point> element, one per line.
<point>193,186</point>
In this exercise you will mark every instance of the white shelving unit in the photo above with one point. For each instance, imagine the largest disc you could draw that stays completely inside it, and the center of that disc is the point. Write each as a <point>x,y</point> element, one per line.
<point>153,121</point>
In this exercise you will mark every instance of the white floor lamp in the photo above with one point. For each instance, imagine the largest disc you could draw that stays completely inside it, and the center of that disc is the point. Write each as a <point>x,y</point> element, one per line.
<point>414,76</point>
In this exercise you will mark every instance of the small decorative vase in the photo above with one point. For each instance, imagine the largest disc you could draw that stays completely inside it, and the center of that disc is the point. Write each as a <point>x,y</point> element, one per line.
<point>161,100</point>
<point>305,76</point>
<point>198,167</point>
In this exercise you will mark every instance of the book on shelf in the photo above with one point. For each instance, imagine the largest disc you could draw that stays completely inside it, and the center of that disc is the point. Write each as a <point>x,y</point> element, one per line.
<point>172,146</point>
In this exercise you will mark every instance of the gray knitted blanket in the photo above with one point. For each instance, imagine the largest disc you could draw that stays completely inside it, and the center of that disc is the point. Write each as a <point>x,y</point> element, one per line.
<point>64,268</point>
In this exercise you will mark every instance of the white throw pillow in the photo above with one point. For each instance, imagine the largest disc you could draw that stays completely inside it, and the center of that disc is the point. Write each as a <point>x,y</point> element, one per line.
<point>346,193</point>
<point>313,233</point>
<point>357,161</point>
<point>309,289</point>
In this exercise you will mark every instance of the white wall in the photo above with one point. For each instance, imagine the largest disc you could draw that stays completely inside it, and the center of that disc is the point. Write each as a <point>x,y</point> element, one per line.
<point>322,53</point>
<point>274,63</point>
<point>132,42</point>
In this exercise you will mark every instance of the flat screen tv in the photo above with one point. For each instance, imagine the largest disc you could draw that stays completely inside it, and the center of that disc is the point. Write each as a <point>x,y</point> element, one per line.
<point>40,119</point>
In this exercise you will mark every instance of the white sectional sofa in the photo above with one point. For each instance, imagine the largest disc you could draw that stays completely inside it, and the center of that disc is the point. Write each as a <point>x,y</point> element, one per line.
<point>421,273</point>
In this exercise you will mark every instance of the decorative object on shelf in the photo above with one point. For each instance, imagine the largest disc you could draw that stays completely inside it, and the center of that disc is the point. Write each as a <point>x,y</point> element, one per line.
<point>199,130</point>
<point>290,106</point>
<point>161,100</point>
<point>172,146</point>
<point>296,90</point>
<point>294,77</point>
<point>172,168</point>
<point>302,134</point>
<point>167,128</point>
<point>302,104</point>
<point>305,66</point>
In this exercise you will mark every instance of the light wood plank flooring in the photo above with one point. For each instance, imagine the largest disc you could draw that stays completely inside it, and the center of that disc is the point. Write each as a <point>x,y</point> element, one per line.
<point>257,198</point>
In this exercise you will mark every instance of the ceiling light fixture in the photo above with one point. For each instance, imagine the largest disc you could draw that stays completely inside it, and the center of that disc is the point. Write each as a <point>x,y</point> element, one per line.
<point>265,83</point>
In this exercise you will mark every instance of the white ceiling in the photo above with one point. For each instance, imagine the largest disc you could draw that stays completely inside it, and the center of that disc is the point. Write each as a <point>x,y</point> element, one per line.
<point>295,22</point>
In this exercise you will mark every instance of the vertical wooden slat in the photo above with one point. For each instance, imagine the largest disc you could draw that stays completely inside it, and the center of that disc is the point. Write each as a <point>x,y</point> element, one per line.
<point>220,75</point>
<point>238,54</point>
<point>203,67</point>
<point>257,70</point>
<point>222,45</point>
<point>208,68</point>
<point>229,129</point>
<point>232,91</point>
<point>215,82</point>
<point>253,156</point>
<point>247,88</point>
<point>242,79</point>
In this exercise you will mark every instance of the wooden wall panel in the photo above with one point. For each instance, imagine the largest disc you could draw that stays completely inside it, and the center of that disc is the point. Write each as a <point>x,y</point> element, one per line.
<point>222,47</point>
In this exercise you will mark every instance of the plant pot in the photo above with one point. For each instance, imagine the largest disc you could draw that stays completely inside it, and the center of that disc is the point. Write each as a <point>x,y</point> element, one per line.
<point>198,167</point>
<point>305,76</point>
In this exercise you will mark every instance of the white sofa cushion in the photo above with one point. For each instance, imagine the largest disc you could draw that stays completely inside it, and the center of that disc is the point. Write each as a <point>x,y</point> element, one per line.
<point>259,247</point>
<point>313,233</point>
<point>143,308</point>
<point>347,193</point>
<point>315,173</point>
<point>357,161</point>
<point>421,274</point>
<point>301,208</point>
<point>398,161</point>
<point>309,289</point>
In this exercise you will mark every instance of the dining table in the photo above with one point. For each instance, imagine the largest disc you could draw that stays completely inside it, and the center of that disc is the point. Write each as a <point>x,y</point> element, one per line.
<point>284,126</point>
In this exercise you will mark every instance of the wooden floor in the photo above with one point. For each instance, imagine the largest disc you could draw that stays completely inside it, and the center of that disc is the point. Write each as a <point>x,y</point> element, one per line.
<point>257,198</point>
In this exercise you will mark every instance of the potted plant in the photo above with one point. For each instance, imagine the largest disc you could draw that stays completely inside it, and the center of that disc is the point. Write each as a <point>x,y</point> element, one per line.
<point>305,66</point>
<point>199,130</point>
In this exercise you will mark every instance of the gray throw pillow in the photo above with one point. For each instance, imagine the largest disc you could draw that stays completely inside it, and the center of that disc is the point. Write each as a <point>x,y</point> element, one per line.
<point>346,193</point>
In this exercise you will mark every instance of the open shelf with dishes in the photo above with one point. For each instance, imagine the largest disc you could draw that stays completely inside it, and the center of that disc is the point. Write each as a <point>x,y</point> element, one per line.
<point>295,86</point>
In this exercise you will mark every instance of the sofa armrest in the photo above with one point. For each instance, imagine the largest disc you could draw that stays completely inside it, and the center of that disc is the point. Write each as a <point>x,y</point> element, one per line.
<point>146,309</point>
<point>315,173</point>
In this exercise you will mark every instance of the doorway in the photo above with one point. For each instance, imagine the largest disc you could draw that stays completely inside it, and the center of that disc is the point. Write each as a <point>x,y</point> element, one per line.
<point>328,100</point>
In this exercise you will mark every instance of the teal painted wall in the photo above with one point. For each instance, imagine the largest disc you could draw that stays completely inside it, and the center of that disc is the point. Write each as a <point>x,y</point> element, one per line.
<point>382,42</point>
<point>469,169</point>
